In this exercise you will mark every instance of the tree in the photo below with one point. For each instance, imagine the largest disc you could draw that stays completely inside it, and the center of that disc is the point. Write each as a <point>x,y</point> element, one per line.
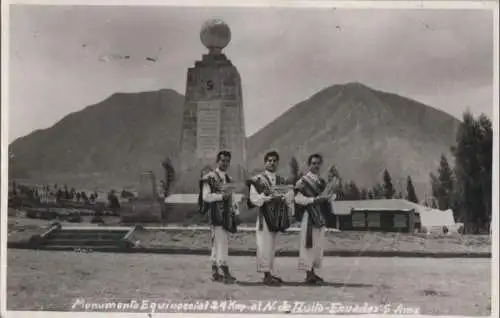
<point>433,203</point>
<point>378,191</point>
<point>169,171</point>
<point>473,172</point>
<point>486,164</point>
<point>66,192</point>
<point>388,187</point>
<point>411,195</point>
<point>341,190</point>
<point>434,184</point>
<point>59,195</point>
<point>295,174</point>
<point>332,173</point>
<point>364,194</point>
<point>444,184</point>
<point>370,195</point>
<point>84,197</point>
<point>352,191</point>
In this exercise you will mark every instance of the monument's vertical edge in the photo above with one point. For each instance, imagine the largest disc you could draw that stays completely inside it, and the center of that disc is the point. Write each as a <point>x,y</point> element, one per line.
<point>213,117</point>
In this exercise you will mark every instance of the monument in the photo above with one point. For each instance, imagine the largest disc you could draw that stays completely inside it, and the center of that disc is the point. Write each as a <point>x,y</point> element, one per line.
<point>213,111</point>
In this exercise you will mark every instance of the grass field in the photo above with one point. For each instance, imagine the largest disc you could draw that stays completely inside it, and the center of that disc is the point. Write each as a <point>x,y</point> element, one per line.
<point>39,280</point>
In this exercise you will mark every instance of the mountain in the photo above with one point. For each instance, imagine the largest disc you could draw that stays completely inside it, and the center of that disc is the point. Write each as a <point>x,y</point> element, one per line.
<point>360,130</point>
<point>107,144</point>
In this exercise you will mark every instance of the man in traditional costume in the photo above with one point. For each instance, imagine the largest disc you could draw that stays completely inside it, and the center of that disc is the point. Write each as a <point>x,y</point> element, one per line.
<point>312,206</point>
<point>273,216</point>
<point>223,212</point>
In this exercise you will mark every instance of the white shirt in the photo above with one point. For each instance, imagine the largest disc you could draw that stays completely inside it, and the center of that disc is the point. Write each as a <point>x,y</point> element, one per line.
<point>259,199</point>
<point>300,198</point>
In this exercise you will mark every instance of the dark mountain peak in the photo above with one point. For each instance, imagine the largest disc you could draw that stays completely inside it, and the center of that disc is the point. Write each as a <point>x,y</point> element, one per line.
<point>350,89</point>
<point>362,131</point>
<point>117,138</point>
<point>356,85</point>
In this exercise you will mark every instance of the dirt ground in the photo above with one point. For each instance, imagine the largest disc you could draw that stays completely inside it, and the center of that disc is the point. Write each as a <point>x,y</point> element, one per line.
<point>346,241</point>
<point>47,280</point>
<point>21,230</point>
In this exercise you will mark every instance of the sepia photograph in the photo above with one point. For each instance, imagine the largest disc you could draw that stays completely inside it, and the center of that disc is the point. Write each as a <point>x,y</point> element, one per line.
<point>278,158</point>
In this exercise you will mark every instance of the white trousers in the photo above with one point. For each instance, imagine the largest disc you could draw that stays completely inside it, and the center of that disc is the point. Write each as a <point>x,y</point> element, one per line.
<point>310,258</point>
<point>266,247</point>
<point>220,246</point>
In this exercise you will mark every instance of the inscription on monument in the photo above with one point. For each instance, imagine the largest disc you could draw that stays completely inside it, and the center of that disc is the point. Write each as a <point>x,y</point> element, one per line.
<point>208,134</point>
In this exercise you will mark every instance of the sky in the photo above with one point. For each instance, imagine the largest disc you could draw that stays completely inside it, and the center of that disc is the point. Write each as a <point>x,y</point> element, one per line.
<point>60,56</point>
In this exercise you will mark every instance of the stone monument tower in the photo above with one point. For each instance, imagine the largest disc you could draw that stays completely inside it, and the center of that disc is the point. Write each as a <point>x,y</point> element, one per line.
<point>213,111</point>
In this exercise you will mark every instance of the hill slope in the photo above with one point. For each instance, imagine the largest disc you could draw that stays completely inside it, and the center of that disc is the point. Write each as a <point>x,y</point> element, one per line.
<point>361,130</point>
<point>106,144</point>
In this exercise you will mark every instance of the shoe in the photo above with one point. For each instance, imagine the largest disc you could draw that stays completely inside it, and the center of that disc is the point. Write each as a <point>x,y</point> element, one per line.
<point>227,277</point>
<point>270,281</point>
<point>216,277</point>
<point>311,279</point>
<point>318,279</point>
<point>279,280</point>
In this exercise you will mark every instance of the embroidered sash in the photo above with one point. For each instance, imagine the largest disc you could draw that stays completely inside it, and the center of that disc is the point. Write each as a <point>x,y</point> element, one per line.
<point>275,214</point>
<point>220,213</point>
<point>309,187</point>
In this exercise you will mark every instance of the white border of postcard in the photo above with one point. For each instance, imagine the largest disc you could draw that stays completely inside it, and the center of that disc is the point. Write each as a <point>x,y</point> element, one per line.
<point>486,5</point>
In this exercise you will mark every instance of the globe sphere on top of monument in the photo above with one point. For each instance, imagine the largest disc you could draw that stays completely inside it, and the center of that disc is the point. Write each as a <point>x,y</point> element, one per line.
<point>215,34</point>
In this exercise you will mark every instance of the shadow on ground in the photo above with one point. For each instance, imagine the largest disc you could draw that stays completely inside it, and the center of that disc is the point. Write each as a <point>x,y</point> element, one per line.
<point>303,284</point>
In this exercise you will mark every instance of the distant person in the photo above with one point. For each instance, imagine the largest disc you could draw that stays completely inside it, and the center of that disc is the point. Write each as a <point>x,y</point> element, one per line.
<point>273,217</point>
<point>113,200</point>
<point>92,198</point>
<point>223,215</point>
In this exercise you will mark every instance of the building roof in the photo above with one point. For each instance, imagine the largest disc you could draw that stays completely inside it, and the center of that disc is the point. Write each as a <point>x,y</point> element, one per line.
<point>428,217</point>
<point>345,207</point>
